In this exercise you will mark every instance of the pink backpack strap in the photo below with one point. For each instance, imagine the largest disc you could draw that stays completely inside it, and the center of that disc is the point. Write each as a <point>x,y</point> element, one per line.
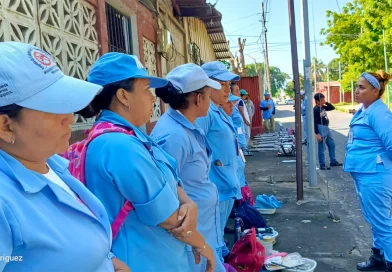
<point>79,151</point>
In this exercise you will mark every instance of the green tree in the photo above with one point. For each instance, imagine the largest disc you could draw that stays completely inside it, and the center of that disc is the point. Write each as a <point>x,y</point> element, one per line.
<point>356,36</point>
<point>289,87</point>
<point>320,68</point>
<point>333,67</point>
<point>278,78</point>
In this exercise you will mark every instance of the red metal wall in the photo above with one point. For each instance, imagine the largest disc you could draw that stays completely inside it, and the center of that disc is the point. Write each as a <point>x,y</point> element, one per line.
<point>251,85</point>
<point>335,95</point>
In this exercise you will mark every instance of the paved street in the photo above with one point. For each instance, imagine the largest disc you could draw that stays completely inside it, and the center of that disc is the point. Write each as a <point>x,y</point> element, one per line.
<point>341,183</point>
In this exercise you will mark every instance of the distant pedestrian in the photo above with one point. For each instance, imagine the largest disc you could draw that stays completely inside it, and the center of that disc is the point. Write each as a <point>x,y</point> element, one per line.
<point>268,108</point>
<point>251,112</point>
<point>369,160</point>
<point>321,129</point>
<point>303,117</point>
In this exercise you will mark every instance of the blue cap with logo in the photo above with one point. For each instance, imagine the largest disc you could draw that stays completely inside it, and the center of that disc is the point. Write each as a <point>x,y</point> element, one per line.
<point>113,67</point>
<point>266,94</point>
<point>233,98</point>
<point>30,78</point>
<point>217,70</point>
<point>190,77</point>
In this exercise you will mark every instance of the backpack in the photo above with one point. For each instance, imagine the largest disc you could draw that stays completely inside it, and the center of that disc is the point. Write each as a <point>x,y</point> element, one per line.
<point>76,154</point>
<point>250,216</point>
<point>247,255</point>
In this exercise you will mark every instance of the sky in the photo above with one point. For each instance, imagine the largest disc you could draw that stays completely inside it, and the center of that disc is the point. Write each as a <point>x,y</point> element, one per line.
<point>242,19</point>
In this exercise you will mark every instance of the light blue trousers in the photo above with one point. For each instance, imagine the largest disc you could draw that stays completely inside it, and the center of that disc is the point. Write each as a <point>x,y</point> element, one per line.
<point>375,195</point>
<point>225,208</point>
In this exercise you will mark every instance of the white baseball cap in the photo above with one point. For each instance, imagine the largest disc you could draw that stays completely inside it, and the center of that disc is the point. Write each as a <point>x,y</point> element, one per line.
<point>30,78</point>
<point>217,70</point>
<point>190,77</point>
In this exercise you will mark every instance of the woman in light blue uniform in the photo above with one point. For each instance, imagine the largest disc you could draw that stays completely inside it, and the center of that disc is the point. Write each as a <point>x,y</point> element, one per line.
<point>48,220</point>
<point>122,167</point>
<point>369,160</point>
<point>239,125</point>
<point>188,94</point>
<point>221,136</point>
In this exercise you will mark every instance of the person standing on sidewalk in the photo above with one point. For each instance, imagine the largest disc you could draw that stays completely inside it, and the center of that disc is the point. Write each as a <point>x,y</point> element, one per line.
<point>268,108</point>
<point>188,94</point>
<point>369,160</point>
<point>303,115</point>
<point>251,112</point>
<point>221,136</point>
<point>321,129</point>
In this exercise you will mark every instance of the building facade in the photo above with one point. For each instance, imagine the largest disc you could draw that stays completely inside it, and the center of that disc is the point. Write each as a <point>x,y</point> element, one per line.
<point>162,33</point>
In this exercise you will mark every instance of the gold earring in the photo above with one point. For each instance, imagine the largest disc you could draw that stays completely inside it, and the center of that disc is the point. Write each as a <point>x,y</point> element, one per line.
<point>12,141</point>
<point>126,107</point>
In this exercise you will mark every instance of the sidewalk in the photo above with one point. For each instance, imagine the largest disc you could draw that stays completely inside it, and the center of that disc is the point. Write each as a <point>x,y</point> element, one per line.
<point>333,245</point>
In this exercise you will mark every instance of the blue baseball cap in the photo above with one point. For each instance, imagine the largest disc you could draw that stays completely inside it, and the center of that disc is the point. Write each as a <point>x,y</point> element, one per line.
<point>217,70</point>
<point>190,77</point>
<point>233,98</point>
<point>114,67</point>
<point>30,78</point>
<point>243,92</point>
<point>265,94</point>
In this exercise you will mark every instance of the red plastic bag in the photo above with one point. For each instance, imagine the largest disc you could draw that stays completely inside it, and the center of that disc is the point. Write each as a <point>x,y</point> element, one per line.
<point>247,195</point>
<point>247,255</point>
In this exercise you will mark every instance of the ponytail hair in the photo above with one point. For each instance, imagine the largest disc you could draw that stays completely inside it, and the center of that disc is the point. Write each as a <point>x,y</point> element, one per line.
<point>383,78</point>
<point>174,96</point>
<point>104,99</point>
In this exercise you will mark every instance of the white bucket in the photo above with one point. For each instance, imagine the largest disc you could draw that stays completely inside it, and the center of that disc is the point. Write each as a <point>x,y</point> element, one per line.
<point>309,266</point>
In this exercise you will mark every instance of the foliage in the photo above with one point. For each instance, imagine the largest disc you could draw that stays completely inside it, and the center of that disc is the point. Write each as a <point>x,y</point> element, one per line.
<point>289,88</point>
<point>356,36</point>
<point>320,69</point>
<point>278,78</point>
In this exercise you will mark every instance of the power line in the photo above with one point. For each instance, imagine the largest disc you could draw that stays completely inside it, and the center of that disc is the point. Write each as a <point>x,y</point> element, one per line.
<point>236,20</point>
<point>337,3</point>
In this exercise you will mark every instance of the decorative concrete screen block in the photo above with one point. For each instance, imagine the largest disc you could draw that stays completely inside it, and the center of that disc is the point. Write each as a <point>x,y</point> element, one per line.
<point>64,28</point>
<point>151,66</point>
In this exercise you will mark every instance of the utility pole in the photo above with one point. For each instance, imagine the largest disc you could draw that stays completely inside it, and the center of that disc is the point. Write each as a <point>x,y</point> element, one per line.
<point>329,88</point>
<point>312,175</point>
<point>386,65</point>
<point>340,79</point>
<point>241,46</point>
<point>298,131</point>
<point>266,49</point>
<point>315,74</point>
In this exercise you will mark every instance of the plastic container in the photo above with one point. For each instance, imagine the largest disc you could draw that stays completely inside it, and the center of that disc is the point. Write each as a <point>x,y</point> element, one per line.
<point>266,211</point>
<point>268,244</point>
<point>309,266</point>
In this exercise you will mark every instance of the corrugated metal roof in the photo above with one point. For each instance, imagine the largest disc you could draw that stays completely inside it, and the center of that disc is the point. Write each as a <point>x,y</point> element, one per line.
<point>212,20</point>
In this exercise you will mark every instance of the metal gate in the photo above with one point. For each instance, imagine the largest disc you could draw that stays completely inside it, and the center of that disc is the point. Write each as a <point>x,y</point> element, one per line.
<point>251,85</point>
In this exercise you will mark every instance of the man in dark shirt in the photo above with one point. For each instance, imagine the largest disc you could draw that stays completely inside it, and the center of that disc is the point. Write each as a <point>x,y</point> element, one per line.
<point>321,129</point>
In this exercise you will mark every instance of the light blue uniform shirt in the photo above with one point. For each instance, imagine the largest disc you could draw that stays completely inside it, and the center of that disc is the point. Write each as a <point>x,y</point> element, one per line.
<point>239,126</point>
<point>120,167</point>
<point>188,145</point>
<point>221,135</point>
<point>370,140</point>
<point>46,226</point>
<point>303,106</point>
<point>267,114</point>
